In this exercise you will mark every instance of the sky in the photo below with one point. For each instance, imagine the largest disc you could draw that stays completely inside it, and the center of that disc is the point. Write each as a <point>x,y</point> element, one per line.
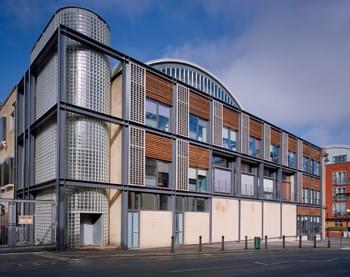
<point>285,61</point>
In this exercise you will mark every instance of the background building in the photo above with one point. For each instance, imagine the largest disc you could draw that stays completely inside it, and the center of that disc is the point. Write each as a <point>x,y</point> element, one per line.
<point>338,187</point>
<point>148,151</point>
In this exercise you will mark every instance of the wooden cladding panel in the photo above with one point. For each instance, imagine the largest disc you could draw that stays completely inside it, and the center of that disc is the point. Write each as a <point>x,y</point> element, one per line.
<point>311,183</point>
<point>158,147</point>
<point>159,89</point>
<point>255,129</point>
<point>292,144</point>
<point>199,106</point>
<point>308,211</point>
<point>311,152</point>
<point>198,157</point>
<point>231,119</point>
<point>275,137</point>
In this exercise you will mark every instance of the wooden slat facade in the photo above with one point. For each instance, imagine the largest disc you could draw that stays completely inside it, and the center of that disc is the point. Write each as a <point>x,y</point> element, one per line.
<point>231,119</point>
<point>198,157</point>
<point>255,128</point>
<point>315,154</point>
<point>311,183</point>
<point>158,147</point>
<point>159,89</point>
<point>199,106</point>
<point>292,144</point>
<point>275,137</point>
<point>308,211</point>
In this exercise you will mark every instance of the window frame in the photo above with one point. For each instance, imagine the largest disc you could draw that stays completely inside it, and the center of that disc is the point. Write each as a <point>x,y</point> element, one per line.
<point>158,106</point>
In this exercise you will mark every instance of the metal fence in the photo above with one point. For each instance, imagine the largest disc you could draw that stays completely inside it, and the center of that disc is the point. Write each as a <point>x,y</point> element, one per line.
<point>27,223</point>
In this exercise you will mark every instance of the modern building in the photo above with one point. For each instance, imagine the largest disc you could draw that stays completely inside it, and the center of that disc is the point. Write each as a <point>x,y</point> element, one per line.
<point>143,152</point>
<point>338,187</point>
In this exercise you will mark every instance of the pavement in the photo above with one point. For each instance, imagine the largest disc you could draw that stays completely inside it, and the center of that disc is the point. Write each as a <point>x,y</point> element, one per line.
<point>186,261</point>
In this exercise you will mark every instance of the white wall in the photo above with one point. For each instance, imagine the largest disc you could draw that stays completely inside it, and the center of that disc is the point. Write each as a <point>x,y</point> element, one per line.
<point>224,219</point>
<point>251,219</point>
<point>196,224</point>
<point>289,219</point>
<point>272,219</point>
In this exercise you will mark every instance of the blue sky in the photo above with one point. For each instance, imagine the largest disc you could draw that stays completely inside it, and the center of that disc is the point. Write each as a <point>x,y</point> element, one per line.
<point>286,61</point>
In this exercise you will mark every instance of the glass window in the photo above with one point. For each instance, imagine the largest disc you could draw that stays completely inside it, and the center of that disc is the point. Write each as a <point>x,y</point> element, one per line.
<point>196,204</point>
<point>198,128</point>
<point>254,147</point>
<point>268,188</point>
<point>222,180</point>
<point>274,153</point>
<point>197,179</point>
<point>340,159</point>
<point>180,204</point>
<point>305,163</point>
<point>247,185</point>
<point>148,201</point>
<point>229,138</point>
<point>292,159</point>
<point>157,115</point>
<point>221,161</point>
<point>163,202</point>
<point>157,172</point>
<point>134,200</point>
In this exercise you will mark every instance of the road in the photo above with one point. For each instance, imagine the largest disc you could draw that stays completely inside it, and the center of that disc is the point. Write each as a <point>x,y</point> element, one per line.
<point>311,262</point>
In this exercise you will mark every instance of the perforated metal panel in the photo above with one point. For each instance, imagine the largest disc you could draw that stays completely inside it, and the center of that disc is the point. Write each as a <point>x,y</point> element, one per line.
<point>45,154</point>
<point>285,149</point>
<point>267,141</point>
<point>244,133</point>
<point>46,87</point>
<point>86,201</point>
<point>137,93</point>
<point>182,110</point>
<point>136,156</point>
<point>217,123</point>
<point>300,154</point>
<point>182,149</point>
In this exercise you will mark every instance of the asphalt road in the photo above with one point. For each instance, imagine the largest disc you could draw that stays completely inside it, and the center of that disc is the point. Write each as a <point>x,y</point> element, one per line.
<point>319,262</point>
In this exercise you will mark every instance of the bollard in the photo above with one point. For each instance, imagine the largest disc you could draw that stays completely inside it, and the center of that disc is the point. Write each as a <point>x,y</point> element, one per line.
<point>329,243</point>
<point>265,242</point>
<point>222,243</point>
<point>172,250</point>
<point>284,241</point>
<point>314,241</point>
<point>300,241</point>
<point>246,243</point>
<point>200,244</point>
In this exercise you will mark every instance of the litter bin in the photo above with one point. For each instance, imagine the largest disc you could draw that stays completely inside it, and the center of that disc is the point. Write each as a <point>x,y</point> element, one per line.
<point>257,243</point>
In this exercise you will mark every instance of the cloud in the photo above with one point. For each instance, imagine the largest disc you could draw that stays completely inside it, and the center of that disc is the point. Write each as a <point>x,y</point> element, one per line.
<point>290,65</point>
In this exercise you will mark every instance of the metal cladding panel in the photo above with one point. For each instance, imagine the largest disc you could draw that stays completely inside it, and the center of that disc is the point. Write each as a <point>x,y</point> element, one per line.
<point>285,149</point>
<point>137,93</point>
<point>267,141</point>
<point>182,110</point>
<point>217,123</point>
<point>245,133</point>
<point>78,19</point>
<point>87,149</point>
<point>84,200</point>
<point>182,150</point>
<point>300,155</point>
<point>46,87</point>
<point>136,156</point>
<point>45,154</point>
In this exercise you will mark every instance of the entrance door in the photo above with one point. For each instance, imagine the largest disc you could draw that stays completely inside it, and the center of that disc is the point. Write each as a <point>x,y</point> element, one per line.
<point>133,229</point>
<point>179,228</point>
<point>90,229</point>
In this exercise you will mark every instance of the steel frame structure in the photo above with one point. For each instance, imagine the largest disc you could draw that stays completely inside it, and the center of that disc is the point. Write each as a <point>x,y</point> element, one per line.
<point>25,137</point>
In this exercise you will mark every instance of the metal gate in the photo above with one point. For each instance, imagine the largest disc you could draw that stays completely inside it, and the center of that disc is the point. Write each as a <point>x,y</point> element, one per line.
<point>27,223</point>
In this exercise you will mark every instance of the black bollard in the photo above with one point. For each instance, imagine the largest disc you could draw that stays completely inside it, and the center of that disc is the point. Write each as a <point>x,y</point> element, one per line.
<point>314,241</point>
<point>329,243</point>
<point>300,241</point>
<point>200,244</point>
<point>172,250</point>
<point>265,242</point>
<point>222,243</point>
<point>284,241</point>
<point>246,243</point>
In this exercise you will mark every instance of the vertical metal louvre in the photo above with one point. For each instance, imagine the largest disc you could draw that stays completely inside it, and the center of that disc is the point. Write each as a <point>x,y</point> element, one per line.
<point>136,156</point>
<point>182,149</point>
<point>217,123</point>
<point>267,141</point>
<point>300,154</point>
<point>182,110</point>
<point>284,149</point>
<point>137,93</point>
<point>245,132</point>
